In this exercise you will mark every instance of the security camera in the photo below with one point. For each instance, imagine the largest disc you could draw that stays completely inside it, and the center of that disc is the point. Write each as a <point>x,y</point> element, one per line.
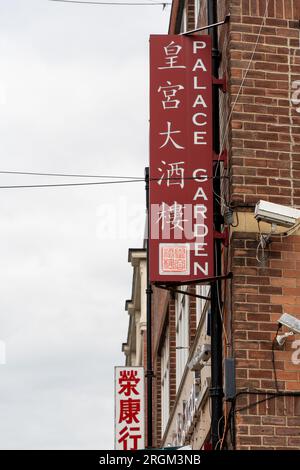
<point>205,352</point>
<point>202,355</point>
<point>276,214</point>
<point>292,323</point>
<point>281,339</point>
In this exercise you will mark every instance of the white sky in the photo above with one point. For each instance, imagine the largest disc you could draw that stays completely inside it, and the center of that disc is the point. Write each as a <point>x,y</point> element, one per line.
<point>73,98</point>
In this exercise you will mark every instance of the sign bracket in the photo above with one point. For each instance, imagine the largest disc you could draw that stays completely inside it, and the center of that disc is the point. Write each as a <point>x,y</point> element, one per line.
<point>223,157</point>
<point>207,280</point>
<point>223,236</point>
<point>178,291</point>
<point>203,28</point>
<point>221,83</point>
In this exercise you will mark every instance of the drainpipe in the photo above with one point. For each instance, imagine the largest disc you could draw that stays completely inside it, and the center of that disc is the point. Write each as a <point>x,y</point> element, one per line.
<point>216,390</point>
<point>149,372</point>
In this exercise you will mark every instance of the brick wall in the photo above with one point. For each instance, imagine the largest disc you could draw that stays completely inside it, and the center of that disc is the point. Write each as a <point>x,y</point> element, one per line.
<point>190,6</point>
<point>264,147</point>
<point>172,335</point>
<point>157,421</point>
<point>260,295</point>
<point>192,316</point>
<point>265,138</point>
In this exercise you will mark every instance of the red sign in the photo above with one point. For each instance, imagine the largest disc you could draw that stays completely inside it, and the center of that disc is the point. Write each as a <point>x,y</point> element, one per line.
<point>181,196</point>
<point>129,408</point>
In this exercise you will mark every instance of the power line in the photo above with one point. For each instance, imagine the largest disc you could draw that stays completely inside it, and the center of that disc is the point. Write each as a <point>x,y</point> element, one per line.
<point>23,186</point>
<point>98,183</point>
<point>164,4</point>
<point>64,175</point>
<point>117,177</point>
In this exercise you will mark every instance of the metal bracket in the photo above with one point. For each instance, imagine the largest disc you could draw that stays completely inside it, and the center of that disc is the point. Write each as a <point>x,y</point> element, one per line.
<point>222,236</point>
<point>149,373</point>
<point>221,83</point>
<point>178,291</point>
<point>206,280</point>
<point>203,28</point>
<point>223,157</point>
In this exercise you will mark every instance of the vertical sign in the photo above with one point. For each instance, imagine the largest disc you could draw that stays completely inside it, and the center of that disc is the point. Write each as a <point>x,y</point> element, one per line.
<point>181,195</point>
<point>129,408</point>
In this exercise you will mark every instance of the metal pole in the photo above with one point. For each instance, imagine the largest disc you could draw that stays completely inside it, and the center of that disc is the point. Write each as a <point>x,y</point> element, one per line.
<point>216,390</point>
<point>149,372</point>
<point>203,28</point>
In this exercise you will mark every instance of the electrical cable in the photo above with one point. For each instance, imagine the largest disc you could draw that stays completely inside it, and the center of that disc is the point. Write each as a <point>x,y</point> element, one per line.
<point>264,240</point>
<point>164,4</point>
<point>241,86</point>
<point>228,343</point>
<point>237,220</point>
<point>268,396</point>
<point>65,175</point>
<point>243,80</point>
<point>98,183</point>
<point>273,358</point>
<point>77,175</point>
<point>220,308</point>
<point>222,417</point>
<point>121,179</point>
<point>226,425</point>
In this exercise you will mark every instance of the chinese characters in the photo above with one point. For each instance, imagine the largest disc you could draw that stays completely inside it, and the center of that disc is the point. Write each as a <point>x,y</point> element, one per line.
<point>129,409</point>
<point>181,158</point>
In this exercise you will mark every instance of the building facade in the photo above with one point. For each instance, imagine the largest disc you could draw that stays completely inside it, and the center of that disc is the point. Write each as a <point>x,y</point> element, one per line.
<point>135,346</point>
<point>259,53</point>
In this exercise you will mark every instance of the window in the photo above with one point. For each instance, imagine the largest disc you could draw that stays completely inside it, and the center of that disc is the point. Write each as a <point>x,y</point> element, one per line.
<point>200,303</point>
<point>197,11</point>
<point>165,383</point>
<point>183,27</point>
<point>182,335</point>
<point>208,322</point>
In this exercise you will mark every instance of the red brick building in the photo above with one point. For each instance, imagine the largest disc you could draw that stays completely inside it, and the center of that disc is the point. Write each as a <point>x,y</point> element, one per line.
<point>260,129</point>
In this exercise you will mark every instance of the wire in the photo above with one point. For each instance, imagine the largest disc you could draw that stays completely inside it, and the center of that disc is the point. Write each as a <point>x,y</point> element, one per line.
<point>111,3</point>
<point>35,173</point>
<point>226,425</point>
<point>55,185</point>
<point>258,402</point>
<point>67,175</point>
<point>268,396</point>
<point>264,240</point>
<point>273,358</point>
<point>121,179</point>
<point>228,343</point>
<point>221,311</point>
<point>219,422</point>
<point>23,186</point>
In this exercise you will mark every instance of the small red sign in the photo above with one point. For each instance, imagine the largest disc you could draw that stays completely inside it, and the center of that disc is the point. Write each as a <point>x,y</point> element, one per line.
<point>129,408</point>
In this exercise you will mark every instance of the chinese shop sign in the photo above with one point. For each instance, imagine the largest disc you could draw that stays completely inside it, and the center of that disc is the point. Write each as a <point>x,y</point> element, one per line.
<point>181,195</point>
<point>129,408</point>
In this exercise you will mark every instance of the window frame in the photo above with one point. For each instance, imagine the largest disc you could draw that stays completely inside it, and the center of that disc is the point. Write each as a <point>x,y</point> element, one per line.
<point>182,334</point>
<point>201,304</point>
<point>197,6</point>
<point>165,381</point>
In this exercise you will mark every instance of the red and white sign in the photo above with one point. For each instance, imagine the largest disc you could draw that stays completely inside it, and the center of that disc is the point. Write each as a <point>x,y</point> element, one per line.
<point>129,408</point>
<point>181,195</point>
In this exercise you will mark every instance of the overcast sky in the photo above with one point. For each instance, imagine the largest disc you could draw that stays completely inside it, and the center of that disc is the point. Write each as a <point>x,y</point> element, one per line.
<point>74,99</point>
